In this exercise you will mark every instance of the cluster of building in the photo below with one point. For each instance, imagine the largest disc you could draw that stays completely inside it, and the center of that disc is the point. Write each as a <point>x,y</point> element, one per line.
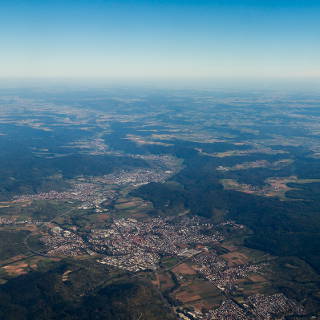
<point>137,260</point>
<point>228,310</point>
<point>14,221</point>
<point>246,165</point>
<point>61,242</point>
<point>257,164</point>
<point>265,307</point>
<point>216,270</point>
<point>256,307</point>
<point>164,161</point>
<point>93,191</point>
<point>135,245</point>
<point>90,194</point>
<point>93,146</point>
<point>138,245</point>
<point>135,177</point>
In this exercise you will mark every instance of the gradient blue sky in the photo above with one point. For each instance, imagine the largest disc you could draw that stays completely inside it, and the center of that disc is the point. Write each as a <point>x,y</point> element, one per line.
<point>160,39</point>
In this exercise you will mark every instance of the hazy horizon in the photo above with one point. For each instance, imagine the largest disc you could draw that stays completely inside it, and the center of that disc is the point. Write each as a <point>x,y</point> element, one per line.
<point>160,40</point>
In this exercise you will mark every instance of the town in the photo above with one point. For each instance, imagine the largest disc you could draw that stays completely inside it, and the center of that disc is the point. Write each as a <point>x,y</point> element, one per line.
<point>92,192</point>
<point>133,246</point>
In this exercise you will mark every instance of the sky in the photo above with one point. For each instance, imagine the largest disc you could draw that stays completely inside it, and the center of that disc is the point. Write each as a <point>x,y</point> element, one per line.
<point>160,39</point>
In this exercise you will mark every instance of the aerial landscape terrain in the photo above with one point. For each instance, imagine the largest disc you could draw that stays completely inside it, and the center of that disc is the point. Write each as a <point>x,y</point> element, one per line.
<point>159,204</point>
<point>159,160</point>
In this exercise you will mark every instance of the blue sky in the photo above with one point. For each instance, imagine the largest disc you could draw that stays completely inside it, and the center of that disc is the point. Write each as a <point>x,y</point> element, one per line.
<point>160,39</point>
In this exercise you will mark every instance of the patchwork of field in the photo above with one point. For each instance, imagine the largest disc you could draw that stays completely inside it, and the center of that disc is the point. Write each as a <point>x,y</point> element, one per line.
<point>115,195</point>
<point>274,187</point>
<point>199,294</point>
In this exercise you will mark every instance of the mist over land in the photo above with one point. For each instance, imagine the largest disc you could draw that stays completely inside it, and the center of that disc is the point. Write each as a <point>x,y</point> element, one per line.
<point>160,160</point>
<point>146,203</point>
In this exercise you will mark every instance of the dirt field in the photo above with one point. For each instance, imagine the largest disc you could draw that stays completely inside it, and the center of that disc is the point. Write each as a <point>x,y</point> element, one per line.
<point>13,259</point>
<point>165,281</point>
<point>250,288</point>
<point>257,278</point>
<point>199,294</point>
<point>17,269</point>
<point>183,268</point>
<point>235,258</point>
<point>127,205</point>
<point>187,296</point>
<point>103,217</point>
<point>229,247</point>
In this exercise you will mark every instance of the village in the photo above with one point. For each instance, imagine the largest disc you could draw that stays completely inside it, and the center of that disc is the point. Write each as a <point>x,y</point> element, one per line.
<point>92,192</point>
